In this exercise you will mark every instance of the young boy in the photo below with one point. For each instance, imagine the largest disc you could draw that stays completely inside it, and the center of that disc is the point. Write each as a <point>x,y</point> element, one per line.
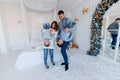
<point>64,40</point>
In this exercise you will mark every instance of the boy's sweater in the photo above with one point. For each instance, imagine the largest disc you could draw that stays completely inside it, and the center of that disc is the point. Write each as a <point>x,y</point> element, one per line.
<point>66,36</point>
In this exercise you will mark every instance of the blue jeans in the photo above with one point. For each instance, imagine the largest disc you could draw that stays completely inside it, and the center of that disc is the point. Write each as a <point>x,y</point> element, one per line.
<point>114,39</point>
<point>63,51</point>
<point>46,51</point>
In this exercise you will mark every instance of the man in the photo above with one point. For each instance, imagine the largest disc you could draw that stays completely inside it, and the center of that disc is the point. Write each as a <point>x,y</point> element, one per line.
<point>113,29</point>
<point>65,25</point>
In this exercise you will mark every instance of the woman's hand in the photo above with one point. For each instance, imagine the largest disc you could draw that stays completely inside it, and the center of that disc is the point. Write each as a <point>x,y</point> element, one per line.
<point>51,29</point>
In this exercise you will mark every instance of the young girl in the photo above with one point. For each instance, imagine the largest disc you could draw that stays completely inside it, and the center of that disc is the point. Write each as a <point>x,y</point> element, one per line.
<point>51,41</point>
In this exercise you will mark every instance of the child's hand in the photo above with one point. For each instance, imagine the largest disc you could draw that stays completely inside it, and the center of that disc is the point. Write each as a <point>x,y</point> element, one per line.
<point>52,31</point>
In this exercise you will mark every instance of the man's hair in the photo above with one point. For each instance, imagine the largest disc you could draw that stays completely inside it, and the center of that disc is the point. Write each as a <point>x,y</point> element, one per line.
<point>60,12</point>
<point>117,19</point>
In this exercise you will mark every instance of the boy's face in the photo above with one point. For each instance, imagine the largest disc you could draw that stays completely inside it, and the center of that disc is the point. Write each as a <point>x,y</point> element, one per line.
<point>61,17</point>
<point>46,42</point>
<point>60,42</point>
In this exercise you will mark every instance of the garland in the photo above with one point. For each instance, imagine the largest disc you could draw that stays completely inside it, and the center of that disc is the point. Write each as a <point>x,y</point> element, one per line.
<point>96,26</point>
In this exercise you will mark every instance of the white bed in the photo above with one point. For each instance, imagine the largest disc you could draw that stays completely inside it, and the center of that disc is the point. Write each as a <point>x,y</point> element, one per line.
<point>32,55</point>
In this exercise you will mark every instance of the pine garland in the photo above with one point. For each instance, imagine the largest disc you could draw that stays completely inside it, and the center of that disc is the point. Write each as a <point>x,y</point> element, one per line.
<point>96,26</point>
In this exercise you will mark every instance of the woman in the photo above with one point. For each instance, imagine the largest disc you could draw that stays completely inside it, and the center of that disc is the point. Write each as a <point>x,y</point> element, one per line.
<point>50,49</point>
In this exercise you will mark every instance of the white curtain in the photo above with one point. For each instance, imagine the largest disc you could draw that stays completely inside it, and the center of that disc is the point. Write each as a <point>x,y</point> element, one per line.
<point>41,5</point>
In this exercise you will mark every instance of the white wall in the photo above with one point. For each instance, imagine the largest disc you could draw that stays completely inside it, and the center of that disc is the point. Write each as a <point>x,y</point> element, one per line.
<point>3,38</point>
<point>36,21</point>
<point>15,29</point>
<point>3,44</point>
<point>0,46</point>
<point>83,26</point>
<point>14,25</point>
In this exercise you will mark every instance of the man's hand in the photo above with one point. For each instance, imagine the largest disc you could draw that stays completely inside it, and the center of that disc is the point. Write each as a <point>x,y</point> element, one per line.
<point>76,19</point>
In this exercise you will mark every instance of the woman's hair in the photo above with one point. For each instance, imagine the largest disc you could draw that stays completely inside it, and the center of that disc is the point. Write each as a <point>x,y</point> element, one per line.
<point>56,25</point>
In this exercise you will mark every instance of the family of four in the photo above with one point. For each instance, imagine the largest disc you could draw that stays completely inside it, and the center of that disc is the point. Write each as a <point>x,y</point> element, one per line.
<point>62,33</point>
